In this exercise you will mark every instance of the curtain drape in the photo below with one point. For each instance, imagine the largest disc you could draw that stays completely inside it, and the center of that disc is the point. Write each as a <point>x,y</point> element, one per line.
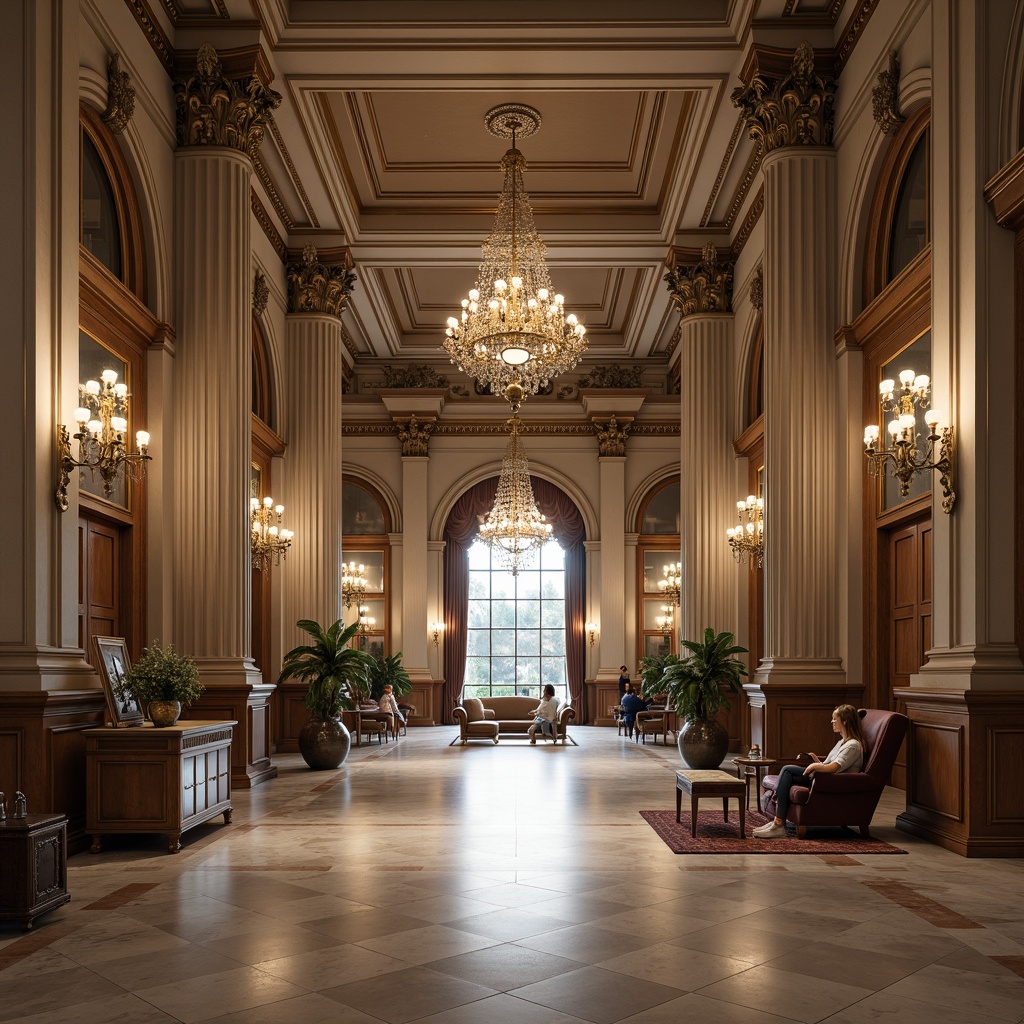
<point>459,534</point>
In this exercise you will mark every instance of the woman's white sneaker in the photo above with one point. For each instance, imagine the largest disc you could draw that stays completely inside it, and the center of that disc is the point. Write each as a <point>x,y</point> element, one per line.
<point>772,831</point>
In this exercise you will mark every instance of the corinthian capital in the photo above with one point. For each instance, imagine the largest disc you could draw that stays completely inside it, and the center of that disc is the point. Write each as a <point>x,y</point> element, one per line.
<point>704,286</point>
<point>315,287</point>
<point>216,110</point>
<point>794,109</point>
<point>414,435</point>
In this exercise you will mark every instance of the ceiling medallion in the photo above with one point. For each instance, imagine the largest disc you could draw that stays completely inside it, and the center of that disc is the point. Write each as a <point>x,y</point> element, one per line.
<point>513,333</point>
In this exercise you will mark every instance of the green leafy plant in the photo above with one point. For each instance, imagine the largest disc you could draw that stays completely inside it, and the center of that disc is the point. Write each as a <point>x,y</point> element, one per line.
<point>163,674</point>
<point>652,669</point>
<point>696,685</point>
<point>333,670</point>
<point>388,669</point>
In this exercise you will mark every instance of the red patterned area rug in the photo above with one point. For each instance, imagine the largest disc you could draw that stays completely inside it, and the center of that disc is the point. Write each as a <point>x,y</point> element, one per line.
<point>717,836</point>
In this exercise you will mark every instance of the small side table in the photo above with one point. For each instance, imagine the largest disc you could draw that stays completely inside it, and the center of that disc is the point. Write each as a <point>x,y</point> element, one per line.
<point>748,768</point>
<point>33,867</point>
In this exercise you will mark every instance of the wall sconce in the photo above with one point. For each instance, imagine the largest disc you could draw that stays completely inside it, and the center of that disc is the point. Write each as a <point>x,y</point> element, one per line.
<point>269,542</point>
<point>353,583</point>
<point>366,624</point>
<point>591,628</point>
<point>903,456</point>
<point>666,621</point>
<point>436,629</point>
<point>671,585</point>
<point>747,539</point>
<point>102,420</point>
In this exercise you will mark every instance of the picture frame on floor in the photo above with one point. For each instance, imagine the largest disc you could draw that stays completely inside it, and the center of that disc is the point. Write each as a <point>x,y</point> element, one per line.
<point>113,665</point>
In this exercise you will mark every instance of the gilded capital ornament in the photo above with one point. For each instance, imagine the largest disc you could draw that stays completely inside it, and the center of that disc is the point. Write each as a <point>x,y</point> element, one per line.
<point>885,98</point>
<point>260,293</point>
<point>611,437</point>
<point>315,287</point>
<point>414,435</point>
<point>704,287</point>
<point>120,97</point>
<point>797,110</point>
<point>214,110</point>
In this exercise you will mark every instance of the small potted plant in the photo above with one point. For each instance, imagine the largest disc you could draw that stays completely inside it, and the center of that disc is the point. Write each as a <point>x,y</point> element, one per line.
<point>696,689</point>
<point>334,672</point>
<point>165,681</point>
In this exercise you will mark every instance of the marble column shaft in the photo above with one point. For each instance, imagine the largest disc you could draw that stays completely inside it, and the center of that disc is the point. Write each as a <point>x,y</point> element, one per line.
<point>707,478</point>
<point>311,573</point>
<point>413,638</point>
<point>213,401</point>
<point>613,651</point>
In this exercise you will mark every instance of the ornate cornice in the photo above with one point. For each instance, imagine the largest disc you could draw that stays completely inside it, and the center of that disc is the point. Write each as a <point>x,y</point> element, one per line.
<point>259,211</point>
<point>723,167</point>
<point>450,429</point>
<point>315,287</point>
<point>702,287</point>
<point>796,109</point>
<point>215,110</point>
<point>749,222</point>
<point>158,41</point>
<point>260,293</point>
<point>854,30</point>
<point>611,437</point>
<point>885,98</point>
<point>613,376</point>
<point>120,97</point>
<point>292,171</point>
<point>263,176</point>
<point>415,435</point>
<point>757,288</point>
<point>415,375</point>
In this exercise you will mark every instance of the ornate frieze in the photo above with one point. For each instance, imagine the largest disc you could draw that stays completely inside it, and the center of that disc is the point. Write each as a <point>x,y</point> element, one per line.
<point>611,437</point>
<point>704,287</point>
<point>796,110</point>
<point>260,293</point>
<point>885,98</point>
<point>414,435</point>
<point>757,288</point>
<point>315,287</point>
<point>120,97</point>
<point>613,376</point>
<point>214,110</point>
<point>463,429</point>
<point>415,375</point>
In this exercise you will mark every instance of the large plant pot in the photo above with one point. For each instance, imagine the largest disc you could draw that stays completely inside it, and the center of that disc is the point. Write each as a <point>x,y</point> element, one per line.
<point>703,742</point>
<point>164,712</point>
<point>324,743</point>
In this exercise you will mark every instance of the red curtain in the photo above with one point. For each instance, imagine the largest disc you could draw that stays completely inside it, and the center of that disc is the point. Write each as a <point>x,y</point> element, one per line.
<point>460,532</point>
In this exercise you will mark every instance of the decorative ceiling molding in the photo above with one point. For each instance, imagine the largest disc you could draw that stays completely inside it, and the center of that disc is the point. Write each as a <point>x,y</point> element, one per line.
<point>292,171</point>
<point>852,34</point>
<point>749,223</point>
<point>154,34</point>
<point>468,428</point>
<point>259,211</point>
<point>263,176</point>
<point>726,160</point>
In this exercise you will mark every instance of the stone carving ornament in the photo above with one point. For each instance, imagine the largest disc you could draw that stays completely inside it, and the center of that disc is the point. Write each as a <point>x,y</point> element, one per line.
<point>798,110</point>
<point>315,287</point>
<point>260,293</point>
<point>414,435</point>
<point>704,287</point>
<point>757,288</point>
<point>885,98</point>
<point>214,110</point>
<point>416,375</point>
<point>611,437</point>
<point>120,97</point>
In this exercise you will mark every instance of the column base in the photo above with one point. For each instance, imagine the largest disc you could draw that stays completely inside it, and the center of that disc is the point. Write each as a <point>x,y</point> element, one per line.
<point>964,751</point>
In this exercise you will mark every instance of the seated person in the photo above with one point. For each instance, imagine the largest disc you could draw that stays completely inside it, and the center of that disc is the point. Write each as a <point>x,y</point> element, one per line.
<point>546,715</point>
<point>388,703</point>
<point>631,704</point>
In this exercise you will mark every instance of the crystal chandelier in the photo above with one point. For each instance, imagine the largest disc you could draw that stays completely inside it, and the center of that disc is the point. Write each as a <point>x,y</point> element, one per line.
<point>102,420</point>
<point>353,583</point>
<point>747,538</point>
<point>671,585</point>
<point>513,333</point>
<point>514,528</point>
<point>268,541</point>
<point>903,456</point>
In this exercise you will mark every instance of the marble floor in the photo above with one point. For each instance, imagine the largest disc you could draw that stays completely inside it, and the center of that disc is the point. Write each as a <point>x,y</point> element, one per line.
<point>483,885</point>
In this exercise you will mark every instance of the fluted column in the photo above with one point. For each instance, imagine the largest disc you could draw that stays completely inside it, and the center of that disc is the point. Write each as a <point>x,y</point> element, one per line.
<point>613,652</point>
<point>415,510</point>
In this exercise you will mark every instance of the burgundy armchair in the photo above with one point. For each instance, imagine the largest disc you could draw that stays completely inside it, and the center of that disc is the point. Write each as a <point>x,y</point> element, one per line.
<point>845,798</point>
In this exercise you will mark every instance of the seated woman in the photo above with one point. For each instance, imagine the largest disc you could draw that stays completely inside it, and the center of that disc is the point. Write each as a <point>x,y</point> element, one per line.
<point>545,716</point>
<point>846,756</point>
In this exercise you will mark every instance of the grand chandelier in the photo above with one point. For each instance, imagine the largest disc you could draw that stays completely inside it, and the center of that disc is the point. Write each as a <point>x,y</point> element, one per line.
<point>513,333</point>
<point>514,529</point>
<point>353,583</point>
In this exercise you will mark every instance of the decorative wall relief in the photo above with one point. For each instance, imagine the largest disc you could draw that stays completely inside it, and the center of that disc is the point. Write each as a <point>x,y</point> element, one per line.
<point>885,98</point>
<point>120,97</point>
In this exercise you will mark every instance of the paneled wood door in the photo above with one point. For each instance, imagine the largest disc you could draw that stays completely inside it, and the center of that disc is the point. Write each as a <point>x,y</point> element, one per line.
<point>99,582</point>
<point>909,631</point>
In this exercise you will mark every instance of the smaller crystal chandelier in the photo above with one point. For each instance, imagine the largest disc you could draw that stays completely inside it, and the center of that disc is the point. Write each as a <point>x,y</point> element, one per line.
<point>353,583</point>
<point>366,623</point>
<point>514,528</point>
<point>666,621</point>
<point>903,456</point>
<point>671,585</point>
<point>268,541</point>
<point>747,539</point>
<point>102,420</point>
<point>513,332</point>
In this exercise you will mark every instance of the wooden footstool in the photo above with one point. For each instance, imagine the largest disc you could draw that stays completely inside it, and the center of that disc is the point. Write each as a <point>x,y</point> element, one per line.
<point>711,783</point>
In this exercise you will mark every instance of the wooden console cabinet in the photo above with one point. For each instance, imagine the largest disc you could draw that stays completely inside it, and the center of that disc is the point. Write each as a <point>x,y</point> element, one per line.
<point>33,867</point>
<point>164,780</point>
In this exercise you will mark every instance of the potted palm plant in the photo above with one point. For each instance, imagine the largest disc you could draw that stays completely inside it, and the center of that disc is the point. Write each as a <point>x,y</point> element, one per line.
<point>164,680</point>
<point>333,671</point>
<point>652,671</point>
<point>696,688</point>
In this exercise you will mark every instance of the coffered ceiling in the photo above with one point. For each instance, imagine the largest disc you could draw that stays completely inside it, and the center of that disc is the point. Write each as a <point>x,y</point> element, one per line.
<point>379,144</point>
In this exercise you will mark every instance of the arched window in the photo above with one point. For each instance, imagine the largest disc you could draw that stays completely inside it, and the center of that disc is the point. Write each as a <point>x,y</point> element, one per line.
<point>100,225</point>
<point>909,230</point>
<point>365,528</point>
<point>657,550</point>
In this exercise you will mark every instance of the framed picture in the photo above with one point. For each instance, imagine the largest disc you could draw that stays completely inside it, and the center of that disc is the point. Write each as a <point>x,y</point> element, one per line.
<point>113,665</point>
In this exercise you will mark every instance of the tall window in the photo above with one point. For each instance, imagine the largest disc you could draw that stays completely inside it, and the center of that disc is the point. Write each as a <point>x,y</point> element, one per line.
<point>516,626</point>
<point>658,548</point>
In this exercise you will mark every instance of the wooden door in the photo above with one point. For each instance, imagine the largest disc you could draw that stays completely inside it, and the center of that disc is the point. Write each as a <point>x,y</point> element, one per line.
<point>100,559</point>
<point>909,550</point>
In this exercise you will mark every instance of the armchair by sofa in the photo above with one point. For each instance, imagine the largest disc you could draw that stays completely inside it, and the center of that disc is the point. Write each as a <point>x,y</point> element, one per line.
<point>508,717</point>
<point>846,798</point>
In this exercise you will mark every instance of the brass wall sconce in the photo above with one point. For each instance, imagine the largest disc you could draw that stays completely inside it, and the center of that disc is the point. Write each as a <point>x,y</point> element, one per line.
<point>591,628</point>
<point>102,420</point>
<point>436,629</point>
<point>671,585</point>
<point>353,583</point>
<point>747,539</point>
<point>268,541</point>
<point>904,456</point>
